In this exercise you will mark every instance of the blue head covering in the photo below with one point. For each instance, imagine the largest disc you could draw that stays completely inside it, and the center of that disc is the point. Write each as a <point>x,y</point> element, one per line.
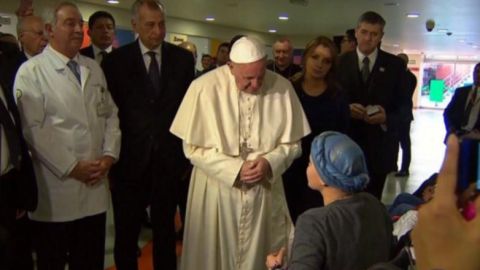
<point>339,161</point>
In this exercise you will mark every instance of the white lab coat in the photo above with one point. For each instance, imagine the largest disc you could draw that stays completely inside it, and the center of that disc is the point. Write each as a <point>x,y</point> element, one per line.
<point>62,124</point>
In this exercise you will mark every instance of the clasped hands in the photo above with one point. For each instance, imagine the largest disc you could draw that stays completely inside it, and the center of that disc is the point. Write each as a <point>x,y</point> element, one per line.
<point>360,112</point>
<point>255,170</point>
<point>91,172</point>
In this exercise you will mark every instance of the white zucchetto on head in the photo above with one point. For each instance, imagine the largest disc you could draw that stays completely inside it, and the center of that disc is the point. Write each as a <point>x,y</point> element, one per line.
<point>247,50</point>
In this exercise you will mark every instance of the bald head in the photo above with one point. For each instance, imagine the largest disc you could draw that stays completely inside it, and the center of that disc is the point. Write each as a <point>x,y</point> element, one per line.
<point>31,34</point>
<point>190,46</point>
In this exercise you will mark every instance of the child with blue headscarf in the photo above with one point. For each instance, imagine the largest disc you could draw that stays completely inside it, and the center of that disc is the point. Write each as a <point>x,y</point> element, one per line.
<point>353,229</point>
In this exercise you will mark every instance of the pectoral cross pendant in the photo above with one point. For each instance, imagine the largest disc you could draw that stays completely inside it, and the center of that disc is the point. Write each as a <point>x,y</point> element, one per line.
<point>245,150</point>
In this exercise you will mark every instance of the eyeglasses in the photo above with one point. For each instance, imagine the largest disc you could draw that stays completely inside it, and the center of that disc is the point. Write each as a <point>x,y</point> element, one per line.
<point>37,33</point>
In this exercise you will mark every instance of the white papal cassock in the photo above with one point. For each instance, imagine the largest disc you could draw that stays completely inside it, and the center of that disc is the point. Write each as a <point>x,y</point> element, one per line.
<point>229,226</point>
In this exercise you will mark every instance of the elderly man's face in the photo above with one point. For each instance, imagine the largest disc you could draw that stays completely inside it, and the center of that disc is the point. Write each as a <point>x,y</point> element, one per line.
<point>33,36</point>
<point>249,77</point>
<point>368,37</point>
<point>282,52</point>
<point>150,26</point>
<point>67,34</point>
<point>102,32</point>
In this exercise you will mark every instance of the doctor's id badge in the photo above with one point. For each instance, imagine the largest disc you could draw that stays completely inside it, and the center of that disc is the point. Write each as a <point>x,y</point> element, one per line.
<point>103,108</point>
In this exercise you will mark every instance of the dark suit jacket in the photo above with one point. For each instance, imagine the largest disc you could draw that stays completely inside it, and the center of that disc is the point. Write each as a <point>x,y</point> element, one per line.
<point>88,52</point>
<point>455,110</point>
<point>385,87</point>
<point>145,118</point>
<point>410,85</point>
<point>24,195</point>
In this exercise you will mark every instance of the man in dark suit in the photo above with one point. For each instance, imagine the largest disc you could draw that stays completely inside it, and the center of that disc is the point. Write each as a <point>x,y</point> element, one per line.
<point>18,190</point>
<point>32,36</point>
<point>373,81</point>
<point>148,79</point>
<point>406,120</point>
<point>461,114</point>
<point>283,59</point>
<point>101,30</point>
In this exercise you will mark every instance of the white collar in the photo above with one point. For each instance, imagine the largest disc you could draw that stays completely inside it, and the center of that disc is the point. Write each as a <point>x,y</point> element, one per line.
<point>145,50</point>
<point>64,59</point>
<point>97,50</point>
<point>372,57</point>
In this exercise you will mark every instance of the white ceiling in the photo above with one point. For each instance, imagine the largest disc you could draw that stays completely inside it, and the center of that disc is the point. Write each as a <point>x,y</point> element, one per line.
<point>333,17</point>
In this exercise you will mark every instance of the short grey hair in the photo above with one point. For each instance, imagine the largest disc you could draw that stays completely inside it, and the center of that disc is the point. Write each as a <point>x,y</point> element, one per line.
<point>21,23</point>
<point>54,14</point>
<point>152,4</point>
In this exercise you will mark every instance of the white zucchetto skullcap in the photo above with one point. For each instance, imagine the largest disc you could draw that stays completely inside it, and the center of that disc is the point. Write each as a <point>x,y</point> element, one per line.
<point>247,50</point>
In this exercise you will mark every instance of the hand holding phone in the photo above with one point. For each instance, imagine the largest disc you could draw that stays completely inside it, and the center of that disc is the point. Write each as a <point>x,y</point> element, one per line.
<point>25,8</point>
<point>375,115</point>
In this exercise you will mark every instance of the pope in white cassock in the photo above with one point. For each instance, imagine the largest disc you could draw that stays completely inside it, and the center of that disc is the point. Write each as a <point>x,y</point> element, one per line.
<point>241,127</point>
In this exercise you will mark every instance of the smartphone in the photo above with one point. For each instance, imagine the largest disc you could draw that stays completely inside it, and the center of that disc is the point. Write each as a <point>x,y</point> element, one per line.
<point>371,110</point>
<point>468,162</point>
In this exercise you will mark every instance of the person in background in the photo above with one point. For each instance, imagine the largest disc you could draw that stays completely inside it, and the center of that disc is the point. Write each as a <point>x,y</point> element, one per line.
<point>101,30</point>
<point>283,59</point>
<point>406,201</point>
<point>349,42</point>
<point>207,62</point>
<point>18,187</point>
<point>352,224</point>
<point>148,79</point>
<point>326,108</point>
<point>32,36</point>
<point>190,46</point>
<point>406,120</point>
<point>374,82</point>
<point>236,209</point>
<point>222,57</point>
<point>74,139</point>
<point>461,114</point>
<point>8,38</point>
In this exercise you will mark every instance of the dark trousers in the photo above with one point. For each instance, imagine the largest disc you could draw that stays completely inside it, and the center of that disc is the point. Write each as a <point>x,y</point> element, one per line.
<point>15,241</point>
<point>129,202</point>
<point>405,144</point>
<point>182,192</point>
<point>79,243</point>
<point>375,186</point>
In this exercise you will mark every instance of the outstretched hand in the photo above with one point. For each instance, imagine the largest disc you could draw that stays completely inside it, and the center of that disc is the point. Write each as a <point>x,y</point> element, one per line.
<point>442,238</point>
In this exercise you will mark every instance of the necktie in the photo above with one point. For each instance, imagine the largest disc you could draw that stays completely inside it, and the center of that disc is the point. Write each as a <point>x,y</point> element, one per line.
<point>365,69</point>
<point>154,72</point>
<point>102,55</point>
<point>11,135</point>
<point>468,109</point>
<point>73,66</point>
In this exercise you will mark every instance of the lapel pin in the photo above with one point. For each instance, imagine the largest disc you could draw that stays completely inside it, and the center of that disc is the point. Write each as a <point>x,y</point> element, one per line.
<point>382,69</point>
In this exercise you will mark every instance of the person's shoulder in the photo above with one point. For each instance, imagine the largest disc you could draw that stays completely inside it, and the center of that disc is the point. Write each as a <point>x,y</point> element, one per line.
<point>463,89</point>
<point>124,50</point>
<point>214,80</point>
<point>174,49</point>
<point>87,51</point>
<point>346,58</point>
<point>391,58</point>
<point>315,214</point>
<point>295,68</point>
